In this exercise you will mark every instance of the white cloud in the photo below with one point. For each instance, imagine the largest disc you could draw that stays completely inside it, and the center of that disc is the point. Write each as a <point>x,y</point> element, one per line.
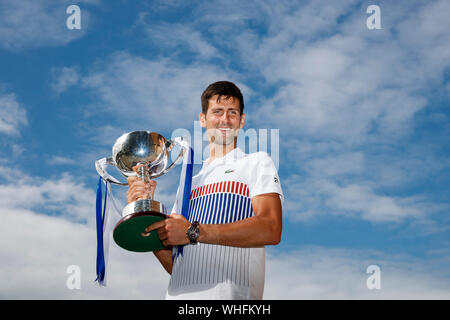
<point>37,250</point>
<point>48,225</point>
<point>327,89</point>
<point>331,178</point>
<point>356,198</point>
<point>151,95</point>
<point>12,114</point>
<point>64,79</point>
<point>179,39</point>
<point>338,273</point>
<point>426,32</point>
<point>330,165</point>
<point>361,199</point>
<point>333,78</point>
<point>31,24</point>
<point>58,160</point>
<point>62,196</point>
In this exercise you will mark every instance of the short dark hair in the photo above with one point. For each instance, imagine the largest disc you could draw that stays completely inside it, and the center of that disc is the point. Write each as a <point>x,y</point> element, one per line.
<point>224,89</point>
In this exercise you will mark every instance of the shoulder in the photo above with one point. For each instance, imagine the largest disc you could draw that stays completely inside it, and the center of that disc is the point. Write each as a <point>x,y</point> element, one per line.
<point>260,158</point>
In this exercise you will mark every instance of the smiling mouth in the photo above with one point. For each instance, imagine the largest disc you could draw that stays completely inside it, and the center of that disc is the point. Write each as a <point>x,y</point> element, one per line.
<point>225,130</point>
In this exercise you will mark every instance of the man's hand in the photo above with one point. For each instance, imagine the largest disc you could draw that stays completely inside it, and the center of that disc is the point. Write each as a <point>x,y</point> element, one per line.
<point>138,189</point>
<point>171,231</point>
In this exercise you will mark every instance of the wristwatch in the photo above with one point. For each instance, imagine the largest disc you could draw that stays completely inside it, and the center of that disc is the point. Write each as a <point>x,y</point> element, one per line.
<point>193,232</point>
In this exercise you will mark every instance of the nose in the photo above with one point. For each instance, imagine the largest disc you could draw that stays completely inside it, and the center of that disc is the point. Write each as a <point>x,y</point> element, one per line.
<point>225,117</point>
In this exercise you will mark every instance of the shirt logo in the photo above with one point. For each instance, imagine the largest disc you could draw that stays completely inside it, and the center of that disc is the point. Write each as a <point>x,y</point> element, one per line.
<point>229,171</point>
<point>275,179</point>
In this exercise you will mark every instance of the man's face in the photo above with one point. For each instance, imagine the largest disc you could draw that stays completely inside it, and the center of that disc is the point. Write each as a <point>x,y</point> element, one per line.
<point>222,120</point>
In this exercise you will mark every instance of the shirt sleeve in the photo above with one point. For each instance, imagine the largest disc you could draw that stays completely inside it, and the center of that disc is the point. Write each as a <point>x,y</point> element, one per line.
<point>264,176</point>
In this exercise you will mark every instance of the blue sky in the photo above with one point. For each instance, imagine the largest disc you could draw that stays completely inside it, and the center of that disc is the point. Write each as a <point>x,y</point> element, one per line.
<point>363,120</point>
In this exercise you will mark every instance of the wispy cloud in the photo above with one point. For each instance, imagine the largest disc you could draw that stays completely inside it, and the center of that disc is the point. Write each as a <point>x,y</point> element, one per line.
<point>64,78</point>
<point>12,114</point>
<point>58,160</point>
<point>31,24</point>
<point>339,273</point>
<point>41,248</point>
<point>150,94</point>
<point>62,196</point>
<point>178,39</point>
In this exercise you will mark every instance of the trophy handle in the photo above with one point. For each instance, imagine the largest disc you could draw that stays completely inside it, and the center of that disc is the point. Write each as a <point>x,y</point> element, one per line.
<point>169,145</point>
<point>101,164</point>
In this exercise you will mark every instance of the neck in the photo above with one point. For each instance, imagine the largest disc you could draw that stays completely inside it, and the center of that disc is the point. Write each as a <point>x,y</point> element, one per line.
<point>219,151</point>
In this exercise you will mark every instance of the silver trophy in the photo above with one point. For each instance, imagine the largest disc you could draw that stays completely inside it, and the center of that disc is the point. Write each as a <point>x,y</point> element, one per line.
<point>144,154</point>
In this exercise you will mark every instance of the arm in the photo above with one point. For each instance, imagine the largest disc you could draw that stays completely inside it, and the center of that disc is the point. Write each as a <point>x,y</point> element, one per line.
<point>264,228</point>
<point>165,258</point>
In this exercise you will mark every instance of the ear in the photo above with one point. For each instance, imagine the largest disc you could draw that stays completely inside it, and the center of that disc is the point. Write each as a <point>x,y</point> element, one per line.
<point>242,120</point>
<point>202,119</point>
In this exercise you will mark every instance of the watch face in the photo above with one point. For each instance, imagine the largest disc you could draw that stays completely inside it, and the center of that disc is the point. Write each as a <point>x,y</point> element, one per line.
<point>193,232</point>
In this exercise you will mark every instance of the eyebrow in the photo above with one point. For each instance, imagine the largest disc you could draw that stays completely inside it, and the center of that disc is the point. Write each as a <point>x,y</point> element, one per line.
<point>220,107</point>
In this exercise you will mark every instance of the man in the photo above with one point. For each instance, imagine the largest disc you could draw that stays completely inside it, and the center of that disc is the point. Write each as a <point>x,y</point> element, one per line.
<point>235,210</point>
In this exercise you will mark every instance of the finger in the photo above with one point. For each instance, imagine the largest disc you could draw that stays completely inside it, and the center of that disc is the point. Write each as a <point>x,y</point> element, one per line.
<point>134,196</point>
<point>166,243</point>
<point>163,235</point>
<point>161,230</point>
<point>155,225</point>
<point>149,189</point>
<point>136,167</point>
<point>137,189</point>
<point>131,180</point>
<point>138,183</point>
<point>138,192</point>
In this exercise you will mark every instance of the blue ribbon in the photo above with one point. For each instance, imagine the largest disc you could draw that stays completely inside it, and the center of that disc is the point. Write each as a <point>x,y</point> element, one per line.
<point>186,193</point>
<point>100,215</point>
<point>187,185</point>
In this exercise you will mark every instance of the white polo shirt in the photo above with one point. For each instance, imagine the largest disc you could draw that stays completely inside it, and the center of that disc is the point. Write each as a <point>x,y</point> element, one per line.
<point>221,193</point>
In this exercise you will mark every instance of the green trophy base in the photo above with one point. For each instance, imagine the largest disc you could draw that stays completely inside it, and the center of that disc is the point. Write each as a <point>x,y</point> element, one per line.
<point>130,234</point>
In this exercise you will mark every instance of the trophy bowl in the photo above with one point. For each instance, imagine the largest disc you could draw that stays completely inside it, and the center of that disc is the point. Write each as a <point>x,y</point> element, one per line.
<point>140,148</point>
<point>144,154</point>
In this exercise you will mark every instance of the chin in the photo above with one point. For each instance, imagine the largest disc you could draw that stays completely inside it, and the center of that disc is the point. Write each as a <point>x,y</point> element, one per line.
<point>223,141</point>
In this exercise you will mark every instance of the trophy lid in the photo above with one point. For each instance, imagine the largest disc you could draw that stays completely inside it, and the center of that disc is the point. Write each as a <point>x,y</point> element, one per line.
<point>140,147</point>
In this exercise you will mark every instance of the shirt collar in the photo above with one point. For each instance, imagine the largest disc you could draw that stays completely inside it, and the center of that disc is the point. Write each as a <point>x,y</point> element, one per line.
<point>234,154</point>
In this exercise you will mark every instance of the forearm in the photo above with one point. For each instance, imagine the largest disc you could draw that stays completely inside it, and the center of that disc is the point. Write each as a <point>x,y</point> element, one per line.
<point>252,232</point>
<point>165,258</point>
